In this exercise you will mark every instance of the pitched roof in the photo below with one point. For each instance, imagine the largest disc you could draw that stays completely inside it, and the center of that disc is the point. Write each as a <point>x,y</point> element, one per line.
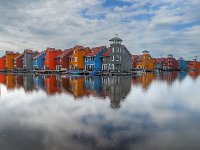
<point>38,55</point>
<point>65,52</point>
<point>28,51</point>
<point>21,55</point>
<point>160,59</point>
<point>137,57</point>
<point>95,51</point>
<point>50,49</point>
<point>106,53</point>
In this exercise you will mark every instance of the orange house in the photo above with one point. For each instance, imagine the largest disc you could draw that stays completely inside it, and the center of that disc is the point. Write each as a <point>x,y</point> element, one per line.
<point>10,60</point>
<point>145,62</point>
<point>77,57</point>
<point>194,65</point>
<point>3,63</point>
<point>50,58</point>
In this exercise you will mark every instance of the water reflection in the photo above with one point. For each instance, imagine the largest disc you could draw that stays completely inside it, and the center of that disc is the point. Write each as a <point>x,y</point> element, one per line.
<point>151,111</point>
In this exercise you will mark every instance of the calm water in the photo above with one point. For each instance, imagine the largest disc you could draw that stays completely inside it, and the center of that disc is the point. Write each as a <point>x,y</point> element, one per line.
<point>59,112</point>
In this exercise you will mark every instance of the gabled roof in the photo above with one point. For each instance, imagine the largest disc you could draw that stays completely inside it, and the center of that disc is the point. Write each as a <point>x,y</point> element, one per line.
<point>3,57</point>
<point>21,55</point>
<point>106,53</point>
<point>160,60</point>
<point>38,55</point>
<point>137,58</point>
<point>65,52</point>
<point>50,49</point>
<point>95,51</point>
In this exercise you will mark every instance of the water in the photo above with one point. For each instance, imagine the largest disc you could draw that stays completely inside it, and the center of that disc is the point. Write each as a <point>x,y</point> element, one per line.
<point>60,112</point>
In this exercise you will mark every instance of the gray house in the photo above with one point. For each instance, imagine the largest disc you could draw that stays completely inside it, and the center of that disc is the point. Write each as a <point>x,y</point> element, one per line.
<point>28,59</point>
<point>117,57</point>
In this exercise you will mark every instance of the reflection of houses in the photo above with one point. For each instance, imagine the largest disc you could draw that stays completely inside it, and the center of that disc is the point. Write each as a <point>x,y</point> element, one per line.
<point>93,85</point>
<point>51,84</point>
<point>65,81</point>
<point>10,60</point>
<point>2,63</point>
<point>170,77</point>
<point>182,75</point>
<point>38,61</point>
<point>50,62</point>
<point>39,82</point>
<point>93,59</point>
<point>144,80</point>
<point>28,82</point>
<point>77,57</point>
<point>77,87</point>
<point>2,78</point>
<point>194,74</point>
<point>116,88</point>
<point>19,81</point>
<point>62,60</point>
<point>10,81</point>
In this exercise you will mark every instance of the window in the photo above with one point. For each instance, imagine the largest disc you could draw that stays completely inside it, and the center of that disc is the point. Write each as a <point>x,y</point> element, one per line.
<point>113,49</point>
<point>92,58</point>
<point>86,59</point>
<point>92,67</point>
<point>117,57</point>
<point>113,58</point>
<point>74,52</point>
<point>117,50</point>
<point>75,59</point>
<point>104,58</point>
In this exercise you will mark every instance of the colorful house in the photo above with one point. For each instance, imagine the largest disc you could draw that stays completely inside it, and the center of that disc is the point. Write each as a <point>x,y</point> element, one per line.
<point>38,61</point>
<point>182,64</point>
<point>194,65</point>
<point>145,61</point>
<point>2,63</point>
<point>49,59</point>
<point>159,63</point>
<point>118,59</point>
<point>18,62</point>
<point>77,57</point>
<point>10,59</point>
<point>28,59</point>
<point>170,63</point>
<point>93,60</point>
<point>106,60</point>
<point>62,60</point>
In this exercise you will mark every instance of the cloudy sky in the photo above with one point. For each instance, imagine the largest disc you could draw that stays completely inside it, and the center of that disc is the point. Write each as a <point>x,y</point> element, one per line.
<point>161,26</point>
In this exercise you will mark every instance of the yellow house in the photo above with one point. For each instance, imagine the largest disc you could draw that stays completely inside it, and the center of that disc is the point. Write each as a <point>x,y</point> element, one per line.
<point>77,57</point>
<point>10,59</point>
<point>145,62</point>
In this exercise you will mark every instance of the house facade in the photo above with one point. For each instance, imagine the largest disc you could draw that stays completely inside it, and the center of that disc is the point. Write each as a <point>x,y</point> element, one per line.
<point>49,59</point>
<point>182,64</point>
<point>194,65</point>
<point>10,60</point>
<point>159,63</point>
<point>62,60</point>
<point>170,63</point>
<point>145,61</point>
<point>77,57</point>
<point>93,60</point>
<point>117,57</point>
<point>38,61</point>
<point>28,59</point>
<point>2,63</point>
<point>18,62</point>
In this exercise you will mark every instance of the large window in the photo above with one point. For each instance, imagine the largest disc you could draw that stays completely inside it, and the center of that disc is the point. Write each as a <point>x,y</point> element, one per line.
<point>75,59</point>
<point>113,58</point>
<point>117,58</point>
<point>113,49</point>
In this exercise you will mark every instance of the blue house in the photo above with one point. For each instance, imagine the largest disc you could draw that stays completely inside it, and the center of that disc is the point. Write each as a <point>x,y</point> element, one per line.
<point>38,61</point>
<point>182,64</point>
<point>93,60</point>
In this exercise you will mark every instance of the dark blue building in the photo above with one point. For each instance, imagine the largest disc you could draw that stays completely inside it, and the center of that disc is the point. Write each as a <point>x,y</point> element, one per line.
<point>38,61</point>
<point>182,64</point>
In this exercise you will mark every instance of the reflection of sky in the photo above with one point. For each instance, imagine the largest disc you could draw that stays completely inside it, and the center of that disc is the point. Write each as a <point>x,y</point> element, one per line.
<point>163,117</point>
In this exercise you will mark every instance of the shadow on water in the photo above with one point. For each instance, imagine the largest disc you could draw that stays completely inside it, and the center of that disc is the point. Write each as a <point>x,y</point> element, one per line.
<point>150,111</point>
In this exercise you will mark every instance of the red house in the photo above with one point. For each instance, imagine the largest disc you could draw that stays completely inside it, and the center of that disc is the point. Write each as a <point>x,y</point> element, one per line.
<point>170,63</point>
<point>62,60</point>
<point>194,65</point>
<point>2,63</point>
<point>18,62</point>
<point>50,61</point>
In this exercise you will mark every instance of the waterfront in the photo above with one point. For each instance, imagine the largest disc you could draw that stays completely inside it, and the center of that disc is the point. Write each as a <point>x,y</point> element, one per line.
<point>151,111</point>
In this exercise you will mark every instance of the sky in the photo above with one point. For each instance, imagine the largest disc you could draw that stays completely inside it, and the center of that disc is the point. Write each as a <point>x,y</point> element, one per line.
<point>160,26</point>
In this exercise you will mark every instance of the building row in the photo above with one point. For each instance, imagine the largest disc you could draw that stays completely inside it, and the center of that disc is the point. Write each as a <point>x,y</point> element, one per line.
<point>114,58</point>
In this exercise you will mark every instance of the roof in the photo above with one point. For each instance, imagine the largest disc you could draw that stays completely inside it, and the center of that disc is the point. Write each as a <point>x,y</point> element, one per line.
<point>28,51</point>
<point>50,49</point>
<point>38,55</point>
<point>145,51</point>
<point>21,55</point>
<point>137,57</point>
<point>65,52</point>
<point>106,53</point>
<point>3,57</point>
<point>159,60</point>
<point>95,51</point>
<point>115,39</point>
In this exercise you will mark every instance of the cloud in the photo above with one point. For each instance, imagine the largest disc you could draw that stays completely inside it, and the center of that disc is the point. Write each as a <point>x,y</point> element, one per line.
<point>160,26</point>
